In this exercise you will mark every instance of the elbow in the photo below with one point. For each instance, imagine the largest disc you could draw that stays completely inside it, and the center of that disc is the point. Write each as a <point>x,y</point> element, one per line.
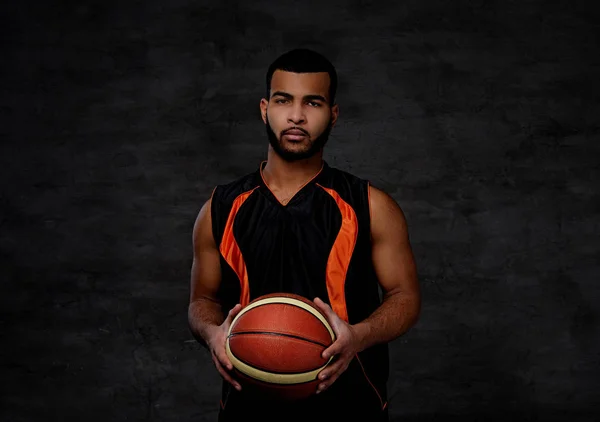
<point>415,313</point>
<point>411,306</point>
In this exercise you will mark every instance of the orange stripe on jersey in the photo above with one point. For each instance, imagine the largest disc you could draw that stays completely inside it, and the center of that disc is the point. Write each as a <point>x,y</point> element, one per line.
<point>340,255</point>
<point>231,251</point>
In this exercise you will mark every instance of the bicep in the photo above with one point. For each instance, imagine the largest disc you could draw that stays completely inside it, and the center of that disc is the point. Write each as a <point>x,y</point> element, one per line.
<point>206,266</point>
<point>392,253</point>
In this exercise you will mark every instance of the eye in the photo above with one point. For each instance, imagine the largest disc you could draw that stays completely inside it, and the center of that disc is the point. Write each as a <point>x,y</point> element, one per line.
<point>314,104</point>
<point>280,101</point>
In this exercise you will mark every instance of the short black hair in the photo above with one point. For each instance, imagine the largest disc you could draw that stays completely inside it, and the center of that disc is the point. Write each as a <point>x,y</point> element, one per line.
<point>303,60</point>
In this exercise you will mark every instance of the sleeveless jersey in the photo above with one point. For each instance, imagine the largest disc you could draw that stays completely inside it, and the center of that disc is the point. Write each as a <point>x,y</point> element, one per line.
<point>317,245</point>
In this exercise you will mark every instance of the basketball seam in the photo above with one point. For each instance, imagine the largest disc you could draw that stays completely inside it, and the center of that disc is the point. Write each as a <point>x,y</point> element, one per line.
<point>262,375</point>
<point>271,333</point>
<point>291,304</point>
<point>270,371</point>
<point>285,301</point>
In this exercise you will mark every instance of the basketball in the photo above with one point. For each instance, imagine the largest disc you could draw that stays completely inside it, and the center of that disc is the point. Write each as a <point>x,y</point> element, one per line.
<point>275,344</point>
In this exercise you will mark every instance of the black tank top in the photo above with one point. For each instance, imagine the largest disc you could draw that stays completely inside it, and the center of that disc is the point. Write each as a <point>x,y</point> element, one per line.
<point>317,245</point>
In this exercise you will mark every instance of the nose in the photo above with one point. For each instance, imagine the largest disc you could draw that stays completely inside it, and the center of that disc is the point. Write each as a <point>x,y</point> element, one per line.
<point>296,115</point>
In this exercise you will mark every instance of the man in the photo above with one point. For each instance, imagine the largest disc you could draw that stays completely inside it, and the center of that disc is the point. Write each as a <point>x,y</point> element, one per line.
<point>297,225</point>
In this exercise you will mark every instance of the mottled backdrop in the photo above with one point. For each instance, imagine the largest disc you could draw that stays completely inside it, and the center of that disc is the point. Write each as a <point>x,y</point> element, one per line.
<point>117,119</point>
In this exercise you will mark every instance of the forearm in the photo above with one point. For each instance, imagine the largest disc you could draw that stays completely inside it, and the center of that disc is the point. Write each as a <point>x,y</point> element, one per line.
<point>396,315</point>
<point>204,316</point>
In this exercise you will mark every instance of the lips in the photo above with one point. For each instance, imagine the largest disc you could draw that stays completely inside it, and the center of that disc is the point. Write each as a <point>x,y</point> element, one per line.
<point>294,135</point>
<point>295,132</point>
<point>295,138</point>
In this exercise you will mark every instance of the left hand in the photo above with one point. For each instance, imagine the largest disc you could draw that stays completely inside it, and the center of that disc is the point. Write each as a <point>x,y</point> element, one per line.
<point>344,348</point>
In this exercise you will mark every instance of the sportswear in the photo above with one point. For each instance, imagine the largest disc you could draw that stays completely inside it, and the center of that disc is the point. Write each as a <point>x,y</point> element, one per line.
<point>316,245</point>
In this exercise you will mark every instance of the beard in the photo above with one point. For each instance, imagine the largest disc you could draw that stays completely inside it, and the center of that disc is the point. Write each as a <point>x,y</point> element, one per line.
<point>291,155</point>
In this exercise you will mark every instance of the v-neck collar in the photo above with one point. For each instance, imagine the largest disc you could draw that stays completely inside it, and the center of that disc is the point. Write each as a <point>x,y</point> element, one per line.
<point>298,193</point>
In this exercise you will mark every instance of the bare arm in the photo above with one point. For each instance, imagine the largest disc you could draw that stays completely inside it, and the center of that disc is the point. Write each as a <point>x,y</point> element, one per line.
<point>396,271</point>
<point>204,311</point>
<point>205,315</point>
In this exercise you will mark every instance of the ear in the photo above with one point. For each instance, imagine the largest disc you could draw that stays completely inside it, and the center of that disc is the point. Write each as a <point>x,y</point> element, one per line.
<point>263,109</point>
<point>335,112</point>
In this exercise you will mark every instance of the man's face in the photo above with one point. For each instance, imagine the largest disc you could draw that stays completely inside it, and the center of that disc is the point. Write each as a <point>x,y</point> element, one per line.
<point>298,116</point>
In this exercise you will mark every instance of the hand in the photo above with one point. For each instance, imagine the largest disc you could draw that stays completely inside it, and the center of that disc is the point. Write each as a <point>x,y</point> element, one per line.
<point>344,348</point>
<point>216,345</point>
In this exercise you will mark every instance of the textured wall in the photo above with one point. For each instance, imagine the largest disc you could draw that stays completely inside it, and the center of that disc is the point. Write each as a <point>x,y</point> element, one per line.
<point>118,118</point>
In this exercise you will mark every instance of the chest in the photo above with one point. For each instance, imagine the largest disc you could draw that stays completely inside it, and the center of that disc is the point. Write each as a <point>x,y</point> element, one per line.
<point>310,221</point>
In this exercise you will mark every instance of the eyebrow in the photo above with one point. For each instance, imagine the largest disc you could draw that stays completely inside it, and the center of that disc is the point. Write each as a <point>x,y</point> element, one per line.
<point>306,97</point>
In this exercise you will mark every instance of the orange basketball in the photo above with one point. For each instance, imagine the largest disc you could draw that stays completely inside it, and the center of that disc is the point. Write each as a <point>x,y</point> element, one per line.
<point>275,345</point>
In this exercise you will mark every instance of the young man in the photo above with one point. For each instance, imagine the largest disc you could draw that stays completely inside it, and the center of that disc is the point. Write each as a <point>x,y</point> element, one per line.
<point>297,225</point>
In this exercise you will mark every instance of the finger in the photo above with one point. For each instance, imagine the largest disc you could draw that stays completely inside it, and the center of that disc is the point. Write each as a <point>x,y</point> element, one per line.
<point>221,362</point>
<point>330,375</point>
<point>223,358</point>
<point>332,369</point>
<point>226,376</point>
<point>332,350</point>
<point>325,385</point>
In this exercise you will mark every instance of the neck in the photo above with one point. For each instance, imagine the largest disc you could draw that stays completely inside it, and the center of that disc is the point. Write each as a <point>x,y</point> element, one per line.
<point>279,173</point>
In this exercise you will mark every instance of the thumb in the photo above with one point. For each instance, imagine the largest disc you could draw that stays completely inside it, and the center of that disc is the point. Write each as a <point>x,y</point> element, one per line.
<point>232,313</point>
<point>332,318</point>
<point>325,308</point>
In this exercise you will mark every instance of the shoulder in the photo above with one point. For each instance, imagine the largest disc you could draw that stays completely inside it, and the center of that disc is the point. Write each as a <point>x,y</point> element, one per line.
<point>203,223</point>
<point>386,213</point>
<point>338,176</point>
<point>382,200</point>
<point>228,191</point>
<point>377,197</point>
<point>220,198</point>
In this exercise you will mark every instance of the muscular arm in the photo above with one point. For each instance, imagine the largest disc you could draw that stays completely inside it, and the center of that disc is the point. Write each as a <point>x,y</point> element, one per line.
<point>396,271</point>
<point>204,311</point>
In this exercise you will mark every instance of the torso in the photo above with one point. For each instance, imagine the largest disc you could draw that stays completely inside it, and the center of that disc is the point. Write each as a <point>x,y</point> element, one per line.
<point>315,243</point>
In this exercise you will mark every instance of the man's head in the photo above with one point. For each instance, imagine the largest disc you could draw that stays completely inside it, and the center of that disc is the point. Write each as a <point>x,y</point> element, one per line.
<point>299,110</point>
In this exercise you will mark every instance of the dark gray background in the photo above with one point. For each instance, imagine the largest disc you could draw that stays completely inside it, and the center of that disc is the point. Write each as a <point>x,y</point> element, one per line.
<point>118,118</point>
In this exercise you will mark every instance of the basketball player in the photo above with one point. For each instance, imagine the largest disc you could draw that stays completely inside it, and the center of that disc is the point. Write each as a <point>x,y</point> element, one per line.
<point>297,225</point>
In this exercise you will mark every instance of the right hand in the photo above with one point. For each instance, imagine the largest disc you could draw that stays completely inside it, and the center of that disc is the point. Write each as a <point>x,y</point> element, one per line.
<point>216,345</point>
